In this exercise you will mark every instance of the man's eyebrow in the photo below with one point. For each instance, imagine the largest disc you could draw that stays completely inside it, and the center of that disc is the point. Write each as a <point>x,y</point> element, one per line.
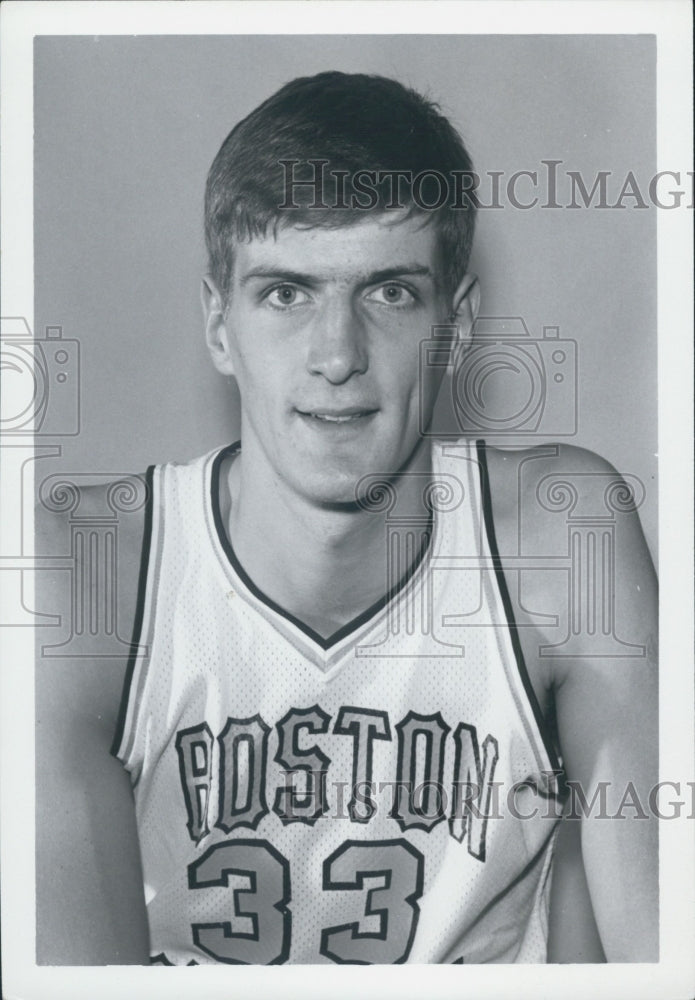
<point>372,278</point>
<point>278,274</point>
<point>407,270</point>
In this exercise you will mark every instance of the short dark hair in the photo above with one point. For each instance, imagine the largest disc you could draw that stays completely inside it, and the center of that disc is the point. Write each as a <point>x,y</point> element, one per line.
<point>354,122</point>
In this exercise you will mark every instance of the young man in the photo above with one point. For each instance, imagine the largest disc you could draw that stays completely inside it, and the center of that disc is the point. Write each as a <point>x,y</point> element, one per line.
<point>344,742</point>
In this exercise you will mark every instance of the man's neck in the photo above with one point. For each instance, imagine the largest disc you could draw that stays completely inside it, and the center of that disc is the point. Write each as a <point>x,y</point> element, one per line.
<point>325,565</point>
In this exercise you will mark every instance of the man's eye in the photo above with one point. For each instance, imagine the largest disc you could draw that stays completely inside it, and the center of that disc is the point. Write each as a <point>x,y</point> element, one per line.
<point>284,296</point>
<point>392,295</point>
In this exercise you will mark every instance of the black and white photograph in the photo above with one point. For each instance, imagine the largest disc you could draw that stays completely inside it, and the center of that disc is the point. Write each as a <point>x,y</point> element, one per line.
<point>347,520</point>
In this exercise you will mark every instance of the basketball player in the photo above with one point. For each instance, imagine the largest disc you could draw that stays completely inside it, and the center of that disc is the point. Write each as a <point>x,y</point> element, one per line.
<point>342,738</point>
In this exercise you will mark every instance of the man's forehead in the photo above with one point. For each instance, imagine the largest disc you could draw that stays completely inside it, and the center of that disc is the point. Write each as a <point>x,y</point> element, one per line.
<point>387,241</point>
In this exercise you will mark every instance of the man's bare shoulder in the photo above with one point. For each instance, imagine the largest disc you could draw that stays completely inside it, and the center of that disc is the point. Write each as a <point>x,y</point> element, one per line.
<point>66,500</point>
<point>99,530</point>
<point>84,811</point>
<point>561,514</point>
<point>536,492</point>
<point>554,477</point>
<point>101,525</point>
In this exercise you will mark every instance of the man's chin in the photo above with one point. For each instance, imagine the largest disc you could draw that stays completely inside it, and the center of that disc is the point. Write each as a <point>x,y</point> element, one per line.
<point>354,481</point>
<point>339,491</point>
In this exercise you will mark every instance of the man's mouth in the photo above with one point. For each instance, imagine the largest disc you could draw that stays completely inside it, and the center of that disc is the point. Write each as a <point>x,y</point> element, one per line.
<point>343,416</point>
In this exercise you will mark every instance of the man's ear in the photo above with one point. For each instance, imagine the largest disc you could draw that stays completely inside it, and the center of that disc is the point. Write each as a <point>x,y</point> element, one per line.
<point>464,312</point>
<point>216,335</point>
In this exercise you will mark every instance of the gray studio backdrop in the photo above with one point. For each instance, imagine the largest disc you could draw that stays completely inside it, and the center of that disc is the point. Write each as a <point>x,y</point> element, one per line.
<point>125,130</point>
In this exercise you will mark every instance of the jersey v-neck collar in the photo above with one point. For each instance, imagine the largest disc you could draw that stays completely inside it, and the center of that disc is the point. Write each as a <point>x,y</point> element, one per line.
<point>356,625</point>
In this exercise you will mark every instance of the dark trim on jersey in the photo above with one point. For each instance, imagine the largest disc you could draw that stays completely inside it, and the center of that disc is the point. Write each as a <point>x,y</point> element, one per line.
<point>543,727</point>
<point>139,612</point>
<point>344,630</point>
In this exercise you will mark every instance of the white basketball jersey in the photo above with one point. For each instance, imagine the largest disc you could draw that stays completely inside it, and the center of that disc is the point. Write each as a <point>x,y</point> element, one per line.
<point>386,795</point>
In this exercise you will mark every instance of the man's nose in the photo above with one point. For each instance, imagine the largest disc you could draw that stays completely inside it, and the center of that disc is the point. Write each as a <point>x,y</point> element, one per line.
<point>338,349</point>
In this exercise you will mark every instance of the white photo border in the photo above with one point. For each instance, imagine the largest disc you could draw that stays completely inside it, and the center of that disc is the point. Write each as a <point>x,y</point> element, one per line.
<point>670,22</point>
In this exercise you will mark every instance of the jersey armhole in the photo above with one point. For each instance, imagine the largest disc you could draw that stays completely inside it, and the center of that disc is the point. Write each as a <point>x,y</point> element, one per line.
<point>122,746</point>
<point>544,729</point>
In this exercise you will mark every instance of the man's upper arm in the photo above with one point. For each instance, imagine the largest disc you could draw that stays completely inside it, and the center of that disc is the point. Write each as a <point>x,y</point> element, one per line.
<point>90,905</point>
<point>606,698</point>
